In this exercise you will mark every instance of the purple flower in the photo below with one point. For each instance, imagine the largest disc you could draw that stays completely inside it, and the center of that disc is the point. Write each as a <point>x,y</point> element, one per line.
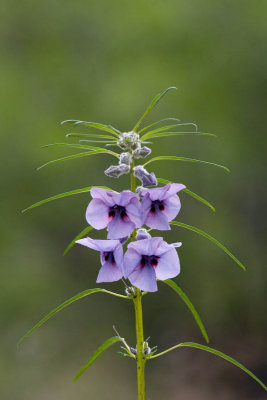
<point>150,259</point>
<point>111,258</point>
<point>119,212</point>
<point>160,205</point>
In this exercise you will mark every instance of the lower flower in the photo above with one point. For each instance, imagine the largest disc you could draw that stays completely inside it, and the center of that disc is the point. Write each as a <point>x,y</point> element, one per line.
<point>147,260</point>
<point>111,257</point>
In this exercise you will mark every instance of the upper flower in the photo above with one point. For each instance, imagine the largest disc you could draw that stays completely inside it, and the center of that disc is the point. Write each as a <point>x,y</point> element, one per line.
<point>150,259</point>
<point>111,258</point>
<point>119,212</point>
<point>160,205</point>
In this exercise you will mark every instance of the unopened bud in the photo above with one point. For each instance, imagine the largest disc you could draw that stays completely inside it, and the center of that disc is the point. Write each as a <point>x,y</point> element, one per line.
<point>125,158</point>
<point>142,234</point>
<point>142,152</point>
<point>115,171</point>
<point>145,177</point>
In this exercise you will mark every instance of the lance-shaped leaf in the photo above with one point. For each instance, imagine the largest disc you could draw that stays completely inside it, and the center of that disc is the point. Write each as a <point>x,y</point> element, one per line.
<point>156,123</point>
<point>108,343</point>
<point>163,134</point>
<point>216,353</point>
<point>79,236</point>
<point>174,158</point>
<point>96,125</point>
<point>189,304</point>
<point>156,99</point>
<point>168,127</point>
<point>90,135</point>
<point>66,194</point>
<point>75,146</point>
<point>212,239</point>
<point>79,155</point>
<point>186,190</point>
<point>67,303</point>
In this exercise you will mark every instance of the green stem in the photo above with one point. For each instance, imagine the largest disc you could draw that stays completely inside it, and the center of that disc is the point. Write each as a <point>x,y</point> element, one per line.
<point>140,358</point>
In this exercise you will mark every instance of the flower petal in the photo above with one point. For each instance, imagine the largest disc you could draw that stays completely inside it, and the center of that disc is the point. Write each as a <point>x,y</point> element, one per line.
<point>133,210</point>
<point>99,245</point>
<point>144,278</point>
<point>105,195</point>
<point>131,261</point>
<point>109,273</point>
<point>97,214</point>
<point>172,206</point>
<point>119,228</point>
<point>168,265</point>
<point>146,247</point>
<point>157,220</point>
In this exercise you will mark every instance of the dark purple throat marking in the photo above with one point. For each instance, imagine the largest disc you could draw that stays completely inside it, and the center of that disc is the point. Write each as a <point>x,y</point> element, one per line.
<point>117,211</point>
<point>157,205</point>
<point>151,261</point>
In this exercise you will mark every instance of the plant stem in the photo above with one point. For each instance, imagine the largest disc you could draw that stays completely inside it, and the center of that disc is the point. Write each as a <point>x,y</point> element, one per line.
<point>140,358</point>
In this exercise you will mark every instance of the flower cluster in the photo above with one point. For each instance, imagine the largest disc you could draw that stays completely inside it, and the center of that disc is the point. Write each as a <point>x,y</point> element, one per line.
<point>123,214</point>
<point>130,141</point>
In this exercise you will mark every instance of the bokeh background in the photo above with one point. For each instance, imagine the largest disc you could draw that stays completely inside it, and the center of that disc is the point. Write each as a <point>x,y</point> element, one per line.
<point>104,61</point>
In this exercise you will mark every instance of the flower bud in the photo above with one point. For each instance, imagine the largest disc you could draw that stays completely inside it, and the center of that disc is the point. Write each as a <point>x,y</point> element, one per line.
<point>145,177</point>
<point>142,234</point>
<point>125,158</point>
<point>142,152</point>
<point>115,171</point>
<point>128,140</point>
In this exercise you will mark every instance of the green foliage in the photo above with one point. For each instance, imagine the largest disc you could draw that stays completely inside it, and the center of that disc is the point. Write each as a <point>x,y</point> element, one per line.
<point>66,194</point>
<point>96,125</point>
<point>174,158</point>
<point>189,304</point>
<point>157,122</point>
<point>79,155</point>
<point>217,353</point>
<point>67,303</point>
<point>212,239</point>
<point>108,343</point>
<point>156,99</point>
<point>163,134</point>
<point>79,236</point>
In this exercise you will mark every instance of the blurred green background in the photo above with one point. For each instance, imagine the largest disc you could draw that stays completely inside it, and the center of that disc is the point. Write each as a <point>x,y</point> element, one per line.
<point>104,61</point>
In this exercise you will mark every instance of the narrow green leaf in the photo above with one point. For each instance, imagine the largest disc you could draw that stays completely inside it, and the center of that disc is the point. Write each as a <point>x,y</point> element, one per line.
<point>196,196</point>
<point>108,343</point>
<point>97,141</point>
<point>79,155</point>
<point>59,196</point>
<point>156,99</point>
<point>90,135</point>
<point>67,303</point>
<point>191,307</point>
<point>216,353</point>
<point>163,134</point>
<point>167,128</point>
<point>74,146</point>
<point>160,158</point>
<point>157,122</point>
<point>79,236</point>
<point>96,125</point>
<point>212,239</point>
